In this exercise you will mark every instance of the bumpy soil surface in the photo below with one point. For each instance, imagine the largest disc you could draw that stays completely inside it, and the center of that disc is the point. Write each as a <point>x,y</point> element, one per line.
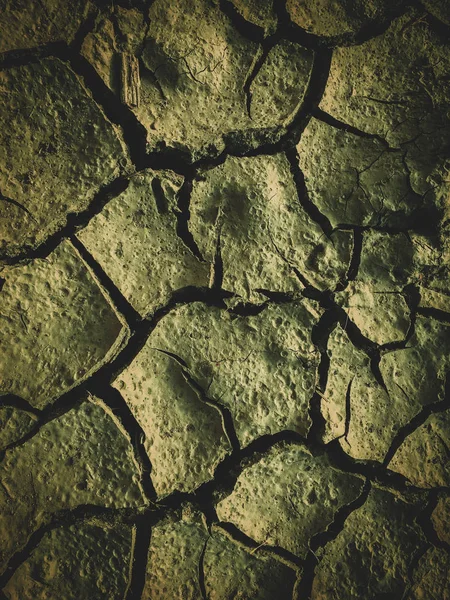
<point>225,300</point>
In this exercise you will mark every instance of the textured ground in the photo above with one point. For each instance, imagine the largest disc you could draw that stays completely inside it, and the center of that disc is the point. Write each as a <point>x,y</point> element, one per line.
<point>225,300</point>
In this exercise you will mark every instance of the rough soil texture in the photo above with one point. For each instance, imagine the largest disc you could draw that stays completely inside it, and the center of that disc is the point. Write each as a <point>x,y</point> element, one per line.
<point>225,300</point>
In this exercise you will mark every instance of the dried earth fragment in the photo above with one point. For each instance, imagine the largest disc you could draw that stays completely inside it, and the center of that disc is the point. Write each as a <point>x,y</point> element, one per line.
<point>439,9</point>
<point>262,368</point>
<point>182,551</point>
<point>232,571</point>
<point>249,208</point>
<point>26,23</point>
<point>331,18</point>
<point>57,149</point>
<point>396,86</point>
<point>287,497</point>
<point>184,439</point>
<point>258,12</point>
<point>86,561</point>
<point>372,554</point>
<point>58,326</point>
<point>195,66</point>
<point>174,557</point>
<point>431,579</point>
<point>441,519</point>
<point>424,456</point>
<point>381,316</point>
<point>81,458</point>
<point>14,424</point>
<point>355,179</point>
<point>135,241</point>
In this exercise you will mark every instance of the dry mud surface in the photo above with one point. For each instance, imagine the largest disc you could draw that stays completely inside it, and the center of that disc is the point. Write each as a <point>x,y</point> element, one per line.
<point>225,300</point>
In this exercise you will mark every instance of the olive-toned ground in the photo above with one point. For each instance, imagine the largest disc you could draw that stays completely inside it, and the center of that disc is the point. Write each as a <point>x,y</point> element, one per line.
<point>225,300</point>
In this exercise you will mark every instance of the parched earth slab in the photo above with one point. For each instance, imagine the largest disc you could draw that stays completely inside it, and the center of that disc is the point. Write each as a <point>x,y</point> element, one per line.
<point>382,316</point>
<point>260,13</point>
<point>357,409</point>
<point>181,549</point>
<point>249,207</point>
<point>396,86</point>
<point>415,376</point>
<point>58,326</point>
<point>176,546</point>
<point>193,78</point>
<point>25,23</point>
<point>330,18</point>
<point>263,368</point>
<point>56,150</point>
<point>355,179</point>
<point>372,555</point>
<point>423,457</point>
<point>14,424</point>
<point>440,519</point>
<point>431,579</point>
<point>135,241</point>
<point>82,457</point>
<point>184,439</point>
<point>287,497</point>
<point>232,571</point>
<point>86,560</point>
<point>278,90</point>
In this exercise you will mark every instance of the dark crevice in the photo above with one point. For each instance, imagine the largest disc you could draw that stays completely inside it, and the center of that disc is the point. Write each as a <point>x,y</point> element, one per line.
<point>319,337</point>
<point>13,401</point>
<point>348,409</point>
<point>201,573</point>
<point>217,279</point>
<point>63,518</point>
<point>183,216</point>
<point>115,401</point>
<point>309,207</point>
<point>241,538</point>
<point>87,27</point>
<point>255,68</point>
<point>250,31</point>
<point>131,315</point>
<point>4,198</point>
<point>320,540</point>
<point>418,420</point>
<point>355,260</point>
<point>425,523</point>
<point>323,116</point>
<point>434,313</point>
<point>74,222</point>
<point>140,558</point>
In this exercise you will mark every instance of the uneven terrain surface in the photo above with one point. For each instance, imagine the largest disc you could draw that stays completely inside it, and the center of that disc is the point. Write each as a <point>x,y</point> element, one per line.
<point>225,300</point>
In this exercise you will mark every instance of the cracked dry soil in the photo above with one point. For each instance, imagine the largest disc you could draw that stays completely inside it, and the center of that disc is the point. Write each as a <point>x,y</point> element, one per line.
<point>225,300</point>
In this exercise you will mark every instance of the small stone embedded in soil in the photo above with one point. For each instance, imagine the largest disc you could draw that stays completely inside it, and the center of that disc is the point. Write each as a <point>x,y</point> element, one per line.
<point>423,457</point>
<point>26,24</point>
<point>278,89</point>
<point>232,571</point>
<point>262,368</point>
<point>58,327</point>
<point>14,424</point>
<point>86,560</point>
<point>184,439</point>
<point>440,519</point>
<point>258,12</point>
<point>355,180</point>
<point>249,207</point>
<point>57,149</point>
<point>382,316</point>
<point>431,580</point>
<point>287,497</point>
<point>331,18</point>
<point>372,555</point>
<point>135,241</point>
<point>396,86</point>
<point>176,546</point>
<point>83,457</point>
